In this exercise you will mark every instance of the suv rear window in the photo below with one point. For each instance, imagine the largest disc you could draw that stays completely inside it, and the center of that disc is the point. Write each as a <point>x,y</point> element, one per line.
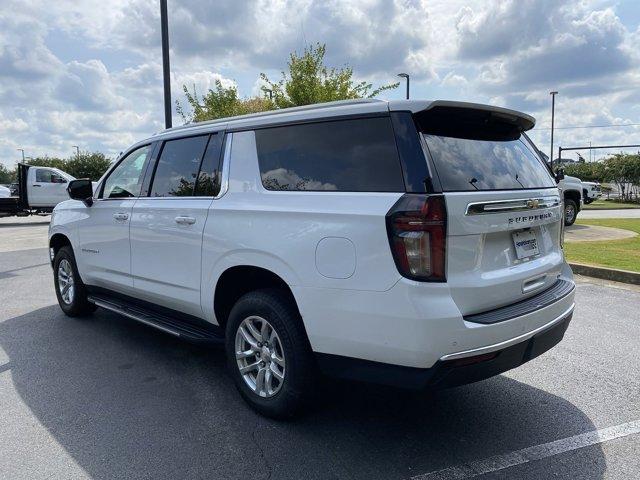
<point>468,164</point>
<point>343,155</point>
<point>178,167</point>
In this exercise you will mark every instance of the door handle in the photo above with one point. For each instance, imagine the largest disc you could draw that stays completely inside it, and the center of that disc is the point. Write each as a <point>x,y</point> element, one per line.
<point>182,220</point>
<point>121,216</point>
<point>34,185</point>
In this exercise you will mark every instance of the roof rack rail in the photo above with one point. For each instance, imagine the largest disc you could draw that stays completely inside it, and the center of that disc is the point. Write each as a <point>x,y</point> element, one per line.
<point>303,108</point>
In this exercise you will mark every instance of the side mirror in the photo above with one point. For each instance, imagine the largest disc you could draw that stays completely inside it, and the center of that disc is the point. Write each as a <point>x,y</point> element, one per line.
<point>559,174</point>
<point>82,190</point>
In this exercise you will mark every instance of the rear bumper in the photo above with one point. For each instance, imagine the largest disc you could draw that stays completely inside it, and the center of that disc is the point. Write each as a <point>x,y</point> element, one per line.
<point>454,369</point>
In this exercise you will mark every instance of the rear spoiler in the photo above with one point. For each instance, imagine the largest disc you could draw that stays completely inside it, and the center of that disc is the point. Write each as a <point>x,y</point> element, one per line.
<point>467,120</point>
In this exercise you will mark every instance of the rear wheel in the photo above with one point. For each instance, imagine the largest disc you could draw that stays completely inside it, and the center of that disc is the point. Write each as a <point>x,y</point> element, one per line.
<point>570,212</point>
<point>268,353</point>
<point>71,292</point>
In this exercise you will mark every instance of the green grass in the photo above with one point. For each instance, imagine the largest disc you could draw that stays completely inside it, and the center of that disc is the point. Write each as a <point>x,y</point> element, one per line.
<point>621,254</point>
<point>601,204</point>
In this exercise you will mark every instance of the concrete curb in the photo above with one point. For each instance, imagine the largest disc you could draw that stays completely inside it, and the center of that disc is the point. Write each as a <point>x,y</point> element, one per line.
<point>624,276</point>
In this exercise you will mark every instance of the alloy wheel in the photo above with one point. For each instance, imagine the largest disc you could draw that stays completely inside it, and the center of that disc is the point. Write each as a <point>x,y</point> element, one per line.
<point>260,356</point>
<point>66,284</point>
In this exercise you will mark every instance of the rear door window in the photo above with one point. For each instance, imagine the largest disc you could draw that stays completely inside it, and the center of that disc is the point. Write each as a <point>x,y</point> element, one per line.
<point>346,155</point>
<point>468,164</point>
<point>178,167</point>
<point>208,182</point>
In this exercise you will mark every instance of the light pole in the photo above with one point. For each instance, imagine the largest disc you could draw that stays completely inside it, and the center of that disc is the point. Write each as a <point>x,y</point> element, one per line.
<point>164,27</point>
<point>406,76</point>
<point>21,150</point>
<point>553,113</point>
<point>77,150</point>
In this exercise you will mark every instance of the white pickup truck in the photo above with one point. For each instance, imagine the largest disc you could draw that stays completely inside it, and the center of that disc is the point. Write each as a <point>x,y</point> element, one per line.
<point>40,189</point>
<point>571,188</point>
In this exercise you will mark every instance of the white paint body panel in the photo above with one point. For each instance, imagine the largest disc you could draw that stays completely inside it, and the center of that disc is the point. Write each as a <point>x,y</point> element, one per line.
<point>331,248</point>
<point>46,194</point>
<point>166,251</point>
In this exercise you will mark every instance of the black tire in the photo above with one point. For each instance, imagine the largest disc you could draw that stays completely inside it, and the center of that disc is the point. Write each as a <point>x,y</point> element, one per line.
<point>282,315</point>
<point>77,304</point>
<point>570,212</point>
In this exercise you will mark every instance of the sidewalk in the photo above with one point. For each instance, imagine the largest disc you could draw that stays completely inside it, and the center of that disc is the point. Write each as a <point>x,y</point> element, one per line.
<point>628,213</point>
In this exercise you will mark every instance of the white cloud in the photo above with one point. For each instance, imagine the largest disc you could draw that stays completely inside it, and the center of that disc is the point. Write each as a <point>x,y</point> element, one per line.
<point>90,73</point>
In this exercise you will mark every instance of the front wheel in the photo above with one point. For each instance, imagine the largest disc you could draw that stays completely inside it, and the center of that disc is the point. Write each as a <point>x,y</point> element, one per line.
<point>570,212</point>
<point>71,292</point>
<point>268,354</point>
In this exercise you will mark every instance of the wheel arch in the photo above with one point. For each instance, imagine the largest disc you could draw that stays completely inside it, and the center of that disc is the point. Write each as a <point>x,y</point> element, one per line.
<point>56,242</point>
<point>238,280</point>
<point>573,195</point>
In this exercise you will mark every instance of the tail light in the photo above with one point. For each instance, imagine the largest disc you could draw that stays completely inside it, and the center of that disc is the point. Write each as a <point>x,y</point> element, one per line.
<point>417,229</point>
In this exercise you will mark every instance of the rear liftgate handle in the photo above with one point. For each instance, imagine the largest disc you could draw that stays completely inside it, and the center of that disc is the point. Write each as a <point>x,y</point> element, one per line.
<point>533,283</point>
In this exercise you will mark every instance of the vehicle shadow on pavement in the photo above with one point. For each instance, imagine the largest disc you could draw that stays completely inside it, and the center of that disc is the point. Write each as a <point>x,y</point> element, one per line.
<point>126,401</point>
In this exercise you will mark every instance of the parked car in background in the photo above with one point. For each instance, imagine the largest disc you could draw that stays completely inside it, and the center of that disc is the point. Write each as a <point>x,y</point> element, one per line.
<point>39,190</point>
<point>571,188</point>
<point>409,243</point>
<point>591,191</point>
<point>5,192</point>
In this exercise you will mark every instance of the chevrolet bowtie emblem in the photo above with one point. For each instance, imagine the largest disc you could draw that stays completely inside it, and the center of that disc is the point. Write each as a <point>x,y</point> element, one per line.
<point>533,203</point>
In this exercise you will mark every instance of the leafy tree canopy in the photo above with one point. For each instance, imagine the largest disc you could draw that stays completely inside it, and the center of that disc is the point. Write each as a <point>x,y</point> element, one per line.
<point>90,165</point>
<point>219,103</point>
<point>308,80</point>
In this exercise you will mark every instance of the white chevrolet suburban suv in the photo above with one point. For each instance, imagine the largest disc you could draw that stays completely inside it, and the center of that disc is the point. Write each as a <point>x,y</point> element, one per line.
<point>410,243</point>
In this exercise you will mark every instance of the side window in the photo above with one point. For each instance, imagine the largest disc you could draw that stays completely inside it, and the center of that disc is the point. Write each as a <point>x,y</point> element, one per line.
<point>126,179</point>
<point>48,176</point>
<point>346,155</point>
<point>208,182</point>
<point>178,166</point>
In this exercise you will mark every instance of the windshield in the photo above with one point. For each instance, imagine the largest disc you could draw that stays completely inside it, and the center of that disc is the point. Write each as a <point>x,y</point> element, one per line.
<point>466,164</point>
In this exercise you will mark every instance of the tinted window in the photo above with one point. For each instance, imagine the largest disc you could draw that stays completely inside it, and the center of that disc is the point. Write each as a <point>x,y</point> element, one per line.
<point>347,155</point>
<point>208,183</point>
<point>178,167</point>
<point>465,164</point>
<point>126,179</point>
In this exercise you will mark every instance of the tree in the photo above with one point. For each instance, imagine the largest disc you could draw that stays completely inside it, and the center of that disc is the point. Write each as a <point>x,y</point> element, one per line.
<point>90,165</point>
<point>6,175</point>
<point>624,170</point>
<point>85,165</point>
<point>309,81</point>
<point>46,161</point>
<point>587,171</point>
<point>219,103</point>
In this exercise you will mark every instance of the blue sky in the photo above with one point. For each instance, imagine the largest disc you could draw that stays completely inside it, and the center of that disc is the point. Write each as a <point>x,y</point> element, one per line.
<point>88,73</point>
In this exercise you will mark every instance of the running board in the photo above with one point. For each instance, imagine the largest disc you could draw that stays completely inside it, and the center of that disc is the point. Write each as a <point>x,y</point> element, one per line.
<point>178,328</point>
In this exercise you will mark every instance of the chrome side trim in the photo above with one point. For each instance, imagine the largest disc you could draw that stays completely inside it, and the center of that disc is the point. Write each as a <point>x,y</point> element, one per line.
<point>520,204</point>
<point>511,341</point>
<point>224,177</point>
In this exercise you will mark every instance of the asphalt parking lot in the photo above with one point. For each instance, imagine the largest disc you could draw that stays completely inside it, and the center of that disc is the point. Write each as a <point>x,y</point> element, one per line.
<point>104,397</point>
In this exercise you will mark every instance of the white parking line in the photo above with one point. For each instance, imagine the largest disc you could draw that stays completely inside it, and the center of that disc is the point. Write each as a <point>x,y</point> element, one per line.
<point>529,454</point>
